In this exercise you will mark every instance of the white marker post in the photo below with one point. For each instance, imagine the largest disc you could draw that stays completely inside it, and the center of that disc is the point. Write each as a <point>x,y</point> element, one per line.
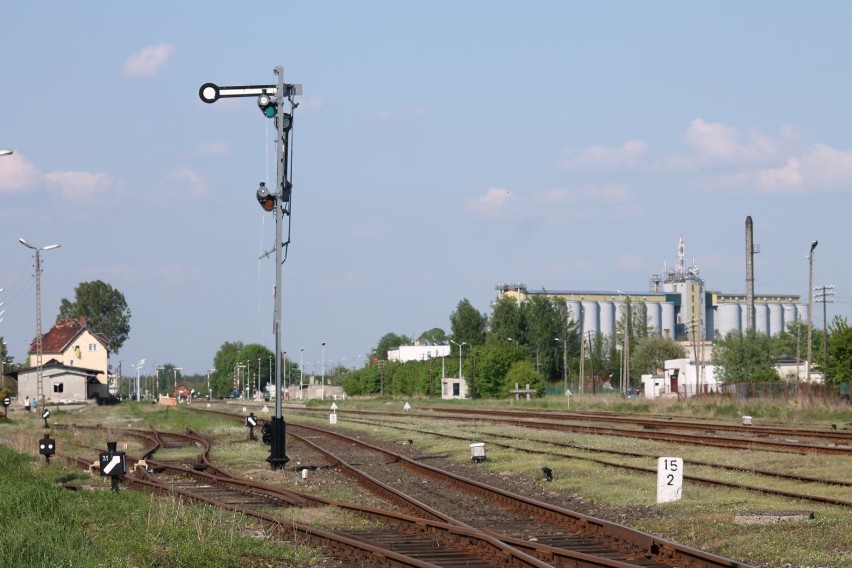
<point>332,418</point>
<point>669,479</point>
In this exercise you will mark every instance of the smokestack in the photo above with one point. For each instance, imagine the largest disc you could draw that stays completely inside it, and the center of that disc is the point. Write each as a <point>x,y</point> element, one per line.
<point>749,234</point>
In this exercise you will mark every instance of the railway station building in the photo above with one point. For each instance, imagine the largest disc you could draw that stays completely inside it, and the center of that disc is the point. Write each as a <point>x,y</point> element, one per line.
<point>75,364</point>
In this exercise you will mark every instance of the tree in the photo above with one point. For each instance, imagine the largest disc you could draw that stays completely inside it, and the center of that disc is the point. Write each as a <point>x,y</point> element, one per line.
<point>467,324</point>
<point>225,361</point>
<point>652,352</point>
<point>104,308</point>
<point>545,320</point>
<point>493,361</point>
<point>257,360</point>
<point>839,351</point>
<point>507,322</point>
<point>434,336</point>
<point>522,373</point>
<point>744,357</point>
<point>388,342</point>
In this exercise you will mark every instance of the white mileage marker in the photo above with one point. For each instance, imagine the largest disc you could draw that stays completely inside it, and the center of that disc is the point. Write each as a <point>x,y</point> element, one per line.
<point>669,479</point>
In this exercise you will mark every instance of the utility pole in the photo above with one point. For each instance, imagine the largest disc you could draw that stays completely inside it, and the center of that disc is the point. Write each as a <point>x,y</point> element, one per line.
<point>810,312</point>
<point>273,101</point>
<point>825,294</point>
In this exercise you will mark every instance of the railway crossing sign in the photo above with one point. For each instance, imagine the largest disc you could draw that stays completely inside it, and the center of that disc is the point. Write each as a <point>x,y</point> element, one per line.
<point>669,479</point>
<point>6,402</point>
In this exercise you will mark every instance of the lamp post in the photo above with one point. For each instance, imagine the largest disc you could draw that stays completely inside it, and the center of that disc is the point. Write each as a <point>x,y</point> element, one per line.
<point>6,152</point>
<point>810,310</point>
<point>460,346</point>
<point>564,361</point>
<point>160,368</point>
<point>301,372</point>
<point>322,392</point>
<point>210,370</point>
<point>176,369</point>
<point>39,346</point>
<point>138,370</point>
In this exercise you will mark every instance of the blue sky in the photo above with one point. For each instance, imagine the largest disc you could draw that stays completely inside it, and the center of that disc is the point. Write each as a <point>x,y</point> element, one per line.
<point>440,148</point>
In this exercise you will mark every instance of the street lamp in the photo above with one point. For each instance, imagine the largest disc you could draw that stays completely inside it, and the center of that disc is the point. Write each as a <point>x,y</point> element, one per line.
<point>39,346</point>
<point>460,346</point>
<point>564,361</point>
<point>322,393</point>
<point>6,152</point>
<point>810,310</point>
<point>138,367</point>
<point>176,369</point>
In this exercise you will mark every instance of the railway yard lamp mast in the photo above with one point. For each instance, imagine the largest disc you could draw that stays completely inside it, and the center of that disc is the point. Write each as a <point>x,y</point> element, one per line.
<point>38,341</point>
<point>274,102</point>
<point>810,312</point>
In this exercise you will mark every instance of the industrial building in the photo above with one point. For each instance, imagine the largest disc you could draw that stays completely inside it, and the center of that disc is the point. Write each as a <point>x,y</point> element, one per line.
<point>677,305</point>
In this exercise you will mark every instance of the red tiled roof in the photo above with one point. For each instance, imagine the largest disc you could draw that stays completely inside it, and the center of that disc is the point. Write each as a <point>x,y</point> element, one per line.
<point>62,333</point>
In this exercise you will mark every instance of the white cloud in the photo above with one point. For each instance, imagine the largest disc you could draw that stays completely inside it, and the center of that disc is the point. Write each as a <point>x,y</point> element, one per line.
<point>719,143</point>
<point>17,174</point>
<point>183,182</point>
<point>820,168</point>
<point>80,186</point>
<point>556,205</point>
<point>630,155</point>
<point>492,203</point>
<point>149,61</point>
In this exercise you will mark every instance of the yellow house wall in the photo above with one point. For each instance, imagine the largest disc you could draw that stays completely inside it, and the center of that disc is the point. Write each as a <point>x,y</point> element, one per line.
<point>78,354</point>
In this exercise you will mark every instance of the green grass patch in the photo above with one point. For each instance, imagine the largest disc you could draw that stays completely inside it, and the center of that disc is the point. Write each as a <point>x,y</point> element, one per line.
<point>46,525</point>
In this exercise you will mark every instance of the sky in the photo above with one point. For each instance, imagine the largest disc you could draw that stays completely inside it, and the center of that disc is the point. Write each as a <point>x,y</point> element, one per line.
<point>439,149</point>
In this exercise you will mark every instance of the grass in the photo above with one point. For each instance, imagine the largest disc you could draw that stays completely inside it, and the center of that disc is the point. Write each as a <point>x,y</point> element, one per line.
<point>143,531</point>
<point>46,525</point>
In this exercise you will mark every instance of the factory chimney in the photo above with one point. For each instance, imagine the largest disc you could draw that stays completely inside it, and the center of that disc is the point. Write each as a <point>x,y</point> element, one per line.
<point>749,234</point>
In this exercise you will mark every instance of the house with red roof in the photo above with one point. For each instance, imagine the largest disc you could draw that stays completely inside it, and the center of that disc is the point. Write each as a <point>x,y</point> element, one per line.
<point>75,364</point>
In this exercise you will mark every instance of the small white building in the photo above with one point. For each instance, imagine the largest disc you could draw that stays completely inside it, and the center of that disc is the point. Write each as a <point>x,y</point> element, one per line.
<point>417,352</point>
<point>453,388</point>
<point>681,378</point>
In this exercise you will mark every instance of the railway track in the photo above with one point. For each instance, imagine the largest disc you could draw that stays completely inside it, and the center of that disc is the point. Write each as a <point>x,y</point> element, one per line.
<point>542,528</point>
<point>430,536</point>
<point>523,443</point>
<point>650,430</point>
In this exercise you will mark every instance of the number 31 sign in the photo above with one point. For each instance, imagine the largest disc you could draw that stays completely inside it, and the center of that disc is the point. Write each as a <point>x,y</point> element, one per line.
<point>669,479</point>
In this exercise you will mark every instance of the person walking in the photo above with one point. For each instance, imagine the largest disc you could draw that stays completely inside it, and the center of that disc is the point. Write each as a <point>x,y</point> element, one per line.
<point>27,404</point>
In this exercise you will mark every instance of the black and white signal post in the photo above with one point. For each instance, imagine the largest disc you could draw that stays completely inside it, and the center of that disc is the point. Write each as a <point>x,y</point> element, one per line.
<point>272,100</point>
<point>113,464</point>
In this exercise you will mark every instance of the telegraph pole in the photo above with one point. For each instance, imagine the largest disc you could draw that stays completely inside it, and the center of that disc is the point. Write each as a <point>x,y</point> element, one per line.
<point>274,102</point>
<point>824,294</point>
